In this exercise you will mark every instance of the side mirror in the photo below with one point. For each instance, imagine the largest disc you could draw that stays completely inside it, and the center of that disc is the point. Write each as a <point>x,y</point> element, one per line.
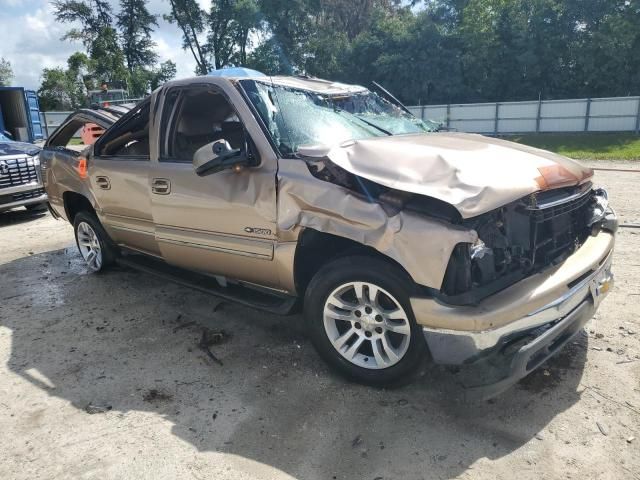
<point>217,156</point>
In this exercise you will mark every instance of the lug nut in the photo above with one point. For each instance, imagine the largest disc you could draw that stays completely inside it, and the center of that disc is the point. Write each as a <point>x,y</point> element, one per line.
<point>357,325</point>
<point>367,334</point>
<point>368,309</point>
<point>378,318</point>
<point>378,329</point>
<point>358,313</point>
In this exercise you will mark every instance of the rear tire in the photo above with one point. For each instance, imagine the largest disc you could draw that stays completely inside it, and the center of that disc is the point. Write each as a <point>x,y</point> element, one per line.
<point>94,244</point>
<point>359,316</point>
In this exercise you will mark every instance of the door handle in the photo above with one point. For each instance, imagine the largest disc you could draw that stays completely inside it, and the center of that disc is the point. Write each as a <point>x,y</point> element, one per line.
<point>161,186</point>
<point>103,183</point>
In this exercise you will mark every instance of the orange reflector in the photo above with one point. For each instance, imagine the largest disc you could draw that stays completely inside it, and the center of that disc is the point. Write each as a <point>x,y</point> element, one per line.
<point>81,168</point>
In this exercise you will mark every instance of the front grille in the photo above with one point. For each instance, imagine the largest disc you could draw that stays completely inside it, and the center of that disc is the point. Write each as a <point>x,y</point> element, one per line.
<point>523,237</point>
<point>558,230</point>
<point>17,171</point>
<point>22,196</point>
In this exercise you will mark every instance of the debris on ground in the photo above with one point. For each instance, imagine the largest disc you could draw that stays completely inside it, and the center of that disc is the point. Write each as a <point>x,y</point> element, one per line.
<point>154,395</point>
<point>630,439</point>
<point>356,441</point>
<point>92,409</point>
<point>603,429</point>
<point>210,338</point>
<point>183,325</point>
<point>219,306</point>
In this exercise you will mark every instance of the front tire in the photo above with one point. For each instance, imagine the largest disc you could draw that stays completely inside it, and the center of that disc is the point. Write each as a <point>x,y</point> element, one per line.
<point>94,244</point>
<point>358,313</point>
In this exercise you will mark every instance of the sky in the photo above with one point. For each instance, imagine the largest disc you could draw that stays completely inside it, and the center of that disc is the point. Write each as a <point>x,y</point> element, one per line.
<point>31,39</point>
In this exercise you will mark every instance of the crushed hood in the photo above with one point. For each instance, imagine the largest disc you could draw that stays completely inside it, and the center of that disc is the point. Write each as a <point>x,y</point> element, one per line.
<point>475,174</point>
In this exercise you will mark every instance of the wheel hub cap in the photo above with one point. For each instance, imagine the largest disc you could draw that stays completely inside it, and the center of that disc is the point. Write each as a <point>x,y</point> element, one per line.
<point>367,325</point>
<point>89,246</point>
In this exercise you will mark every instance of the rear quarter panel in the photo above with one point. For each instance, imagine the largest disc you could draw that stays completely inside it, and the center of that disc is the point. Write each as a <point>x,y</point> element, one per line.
<point>60,175</point>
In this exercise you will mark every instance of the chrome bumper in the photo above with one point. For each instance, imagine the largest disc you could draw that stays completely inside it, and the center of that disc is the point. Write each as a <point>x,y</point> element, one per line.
<point>21,203</point>
<point>461,334</point>
<point>451,347</point>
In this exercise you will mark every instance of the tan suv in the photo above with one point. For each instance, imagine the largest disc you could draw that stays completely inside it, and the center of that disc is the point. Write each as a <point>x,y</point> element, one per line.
<point>400,241</point>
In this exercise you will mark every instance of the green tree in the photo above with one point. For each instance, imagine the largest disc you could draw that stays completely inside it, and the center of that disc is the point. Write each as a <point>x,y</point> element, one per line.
<point>64,89</point>
<point>230,22</point>
<point>166,72</point>
<point>6,72</point>
<point>97,34</point>
<point>190,18</point>
<point>136,25</point>
<point>145,80</point>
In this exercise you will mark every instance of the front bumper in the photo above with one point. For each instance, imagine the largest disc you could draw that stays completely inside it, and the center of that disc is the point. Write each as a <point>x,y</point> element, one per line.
<point>516,330</point>
<point>28,197</point>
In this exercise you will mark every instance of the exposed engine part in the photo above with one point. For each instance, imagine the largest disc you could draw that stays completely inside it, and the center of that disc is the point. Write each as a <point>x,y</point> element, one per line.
<point>329,172</point>
<point>601,204</point>
<point>479,249</point>
<point>522,238</point>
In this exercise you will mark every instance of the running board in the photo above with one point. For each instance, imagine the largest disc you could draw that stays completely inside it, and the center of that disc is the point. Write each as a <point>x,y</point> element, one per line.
<point>261,299</point>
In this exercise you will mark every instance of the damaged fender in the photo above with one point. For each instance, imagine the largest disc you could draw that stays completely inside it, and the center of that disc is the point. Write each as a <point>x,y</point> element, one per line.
<point>422,246</point>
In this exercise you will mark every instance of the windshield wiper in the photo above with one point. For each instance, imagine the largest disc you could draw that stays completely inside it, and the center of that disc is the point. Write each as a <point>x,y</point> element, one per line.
<point>391,98</point>
<point>373,125</point>
<point>350,116</point>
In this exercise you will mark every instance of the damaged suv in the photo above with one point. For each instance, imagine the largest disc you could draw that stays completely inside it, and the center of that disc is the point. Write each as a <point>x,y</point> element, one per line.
<point>400,242</point>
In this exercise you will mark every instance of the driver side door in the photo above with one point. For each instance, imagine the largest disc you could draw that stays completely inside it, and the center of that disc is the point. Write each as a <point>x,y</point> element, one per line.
<point>224,223</point>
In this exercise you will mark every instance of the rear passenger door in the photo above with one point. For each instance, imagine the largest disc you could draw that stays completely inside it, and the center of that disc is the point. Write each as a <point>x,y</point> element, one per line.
<point>224,223</point>
<point>119,175</point>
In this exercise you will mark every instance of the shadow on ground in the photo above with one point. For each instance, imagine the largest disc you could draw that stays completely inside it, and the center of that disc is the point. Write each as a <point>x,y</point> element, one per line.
<point>111,340</point>
<point>13,217</point>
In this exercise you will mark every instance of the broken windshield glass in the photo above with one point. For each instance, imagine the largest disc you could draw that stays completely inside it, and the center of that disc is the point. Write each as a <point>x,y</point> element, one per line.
<point>297,117</point>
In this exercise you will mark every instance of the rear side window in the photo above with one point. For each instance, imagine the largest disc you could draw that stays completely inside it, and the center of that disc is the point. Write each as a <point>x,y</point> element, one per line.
<point>129,138</point>
<point>77,134</point>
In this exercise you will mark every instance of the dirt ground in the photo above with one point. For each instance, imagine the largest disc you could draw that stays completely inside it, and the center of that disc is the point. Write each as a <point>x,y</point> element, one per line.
<point>101,377</point>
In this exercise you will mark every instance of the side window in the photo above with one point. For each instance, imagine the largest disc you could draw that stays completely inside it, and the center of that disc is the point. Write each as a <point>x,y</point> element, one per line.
<point>196,118</point>
<point>129,137</point>
<point>76,135</point>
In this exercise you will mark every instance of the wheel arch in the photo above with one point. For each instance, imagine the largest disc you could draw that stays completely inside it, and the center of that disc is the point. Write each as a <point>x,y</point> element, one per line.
<point>315,249</point>
<point>76,202</point>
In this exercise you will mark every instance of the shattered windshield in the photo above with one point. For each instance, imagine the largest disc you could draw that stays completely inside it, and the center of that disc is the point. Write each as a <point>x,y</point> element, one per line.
<point>296,117</point>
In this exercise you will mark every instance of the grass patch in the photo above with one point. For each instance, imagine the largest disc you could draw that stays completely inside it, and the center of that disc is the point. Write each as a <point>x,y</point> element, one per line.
<point>586,146</point>
<point>76,141</point>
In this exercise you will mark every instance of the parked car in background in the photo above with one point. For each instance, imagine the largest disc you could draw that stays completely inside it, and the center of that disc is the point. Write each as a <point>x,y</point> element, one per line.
<point>401,242</point>
<point>20,176</point>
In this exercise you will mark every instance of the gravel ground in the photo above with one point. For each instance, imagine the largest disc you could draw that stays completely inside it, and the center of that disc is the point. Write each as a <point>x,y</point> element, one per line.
<point>101,377</point>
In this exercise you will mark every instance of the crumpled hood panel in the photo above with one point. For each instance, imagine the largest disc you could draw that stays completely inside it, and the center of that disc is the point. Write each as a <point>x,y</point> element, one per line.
<point>473,173</point>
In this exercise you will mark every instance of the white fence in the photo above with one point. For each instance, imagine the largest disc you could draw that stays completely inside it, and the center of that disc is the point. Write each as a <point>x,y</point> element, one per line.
<point>620,114</point>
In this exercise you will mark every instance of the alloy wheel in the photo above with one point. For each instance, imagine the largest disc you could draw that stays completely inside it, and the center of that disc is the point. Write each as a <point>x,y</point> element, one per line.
<point>89,246</point>
<point>367,325</point>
